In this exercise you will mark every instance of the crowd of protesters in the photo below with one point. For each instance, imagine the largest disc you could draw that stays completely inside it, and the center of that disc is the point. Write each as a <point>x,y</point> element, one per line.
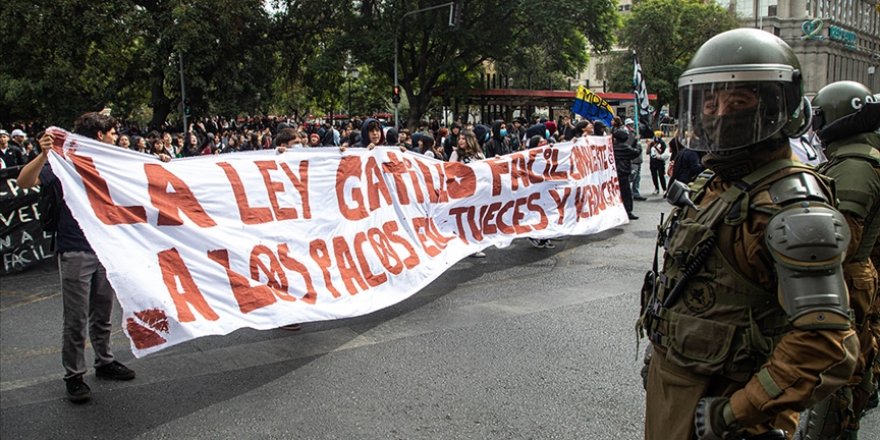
<point>220,135</point>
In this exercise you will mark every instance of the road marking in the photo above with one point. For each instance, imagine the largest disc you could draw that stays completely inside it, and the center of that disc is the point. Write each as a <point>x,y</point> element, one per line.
<point>29,300</point>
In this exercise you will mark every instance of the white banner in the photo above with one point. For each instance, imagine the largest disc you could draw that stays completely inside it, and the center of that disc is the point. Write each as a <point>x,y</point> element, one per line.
<point>207,245</point>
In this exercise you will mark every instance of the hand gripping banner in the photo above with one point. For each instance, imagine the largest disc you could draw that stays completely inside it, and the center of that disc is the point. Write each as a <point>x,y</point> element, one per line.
<point>207,245</point>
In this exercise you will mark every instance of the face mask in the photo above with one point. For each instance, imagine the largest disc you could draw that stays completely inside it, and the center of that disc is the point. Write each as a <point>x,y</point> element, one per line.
<point>296,146</point>
<point>503,132</point>
<point>730,131</point>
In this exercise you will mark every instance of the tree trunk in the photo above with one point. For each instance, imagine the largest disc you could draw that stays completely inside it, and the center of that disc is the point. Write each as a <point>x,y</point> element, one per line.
<point>160,103</point>
<point>418,105</point>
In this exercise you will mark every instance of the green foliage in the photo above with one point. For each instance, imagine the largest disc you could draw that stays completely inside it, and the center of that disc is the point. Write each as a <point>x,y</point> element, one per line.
<point>665,34</point>
<point>53,70</point>
<point>434,57</point>
<point>64,57</point>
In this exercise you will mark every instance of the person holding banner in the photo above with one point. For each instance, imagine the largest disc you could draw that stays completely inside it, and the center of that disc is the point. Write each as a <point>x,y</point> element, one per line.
<point>466,151</point>
<point>86,293</point>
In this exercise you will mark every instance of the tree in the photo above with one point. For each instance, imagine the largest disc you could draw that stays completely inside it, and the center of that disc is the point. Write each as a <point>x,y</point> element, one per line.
<point>53,71</point>
<point>434,57</point>
<point>228,58</point>
<point>126,54</point>
<point>665,34</point>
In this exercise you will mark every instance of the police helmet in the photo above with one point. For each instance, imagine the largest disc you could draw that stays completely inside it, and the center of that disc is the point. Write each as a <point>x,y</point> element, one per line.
<point>844,108</point>
<point>742,87</point>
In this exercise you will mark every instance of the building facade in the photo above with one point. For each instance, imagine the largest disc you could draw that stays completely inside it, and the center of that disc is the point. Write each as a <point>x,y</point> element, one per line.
<point>834,39</point>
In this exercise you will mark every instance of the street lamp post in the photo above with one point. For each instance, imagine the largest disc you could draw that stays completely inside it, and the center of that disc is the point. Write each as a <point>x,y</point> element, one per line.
<point>451,6</point>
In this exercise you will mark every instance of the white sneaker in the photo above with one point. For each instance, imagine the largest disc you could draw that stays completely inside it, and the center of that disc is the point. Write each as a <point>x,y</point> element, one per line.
<point>537,243</point>
<point>549,245</point>
<point>479,254</point>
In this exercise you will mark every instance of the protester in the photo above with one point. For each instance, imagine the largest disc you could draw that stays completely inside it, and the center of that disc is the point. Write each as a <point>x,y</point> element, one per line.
<point>636,177</point>
<point>467,151</point>
<point>426,146</point>
<point>404,139</point>
<point>519,129</point>
<point>10,154</point>
<point>624,153</point>
<point>372,135</point>
<point>86,292</point>
<point>538,141</point>
<point>567,128</point>
<point>582,128</point>
<point>483,133</point>
<point>124,141</point>
<point>658,154</point>
<point>500,143</point>
<point>392,137</point>
<point>686,164</point>
<point>17,140</point>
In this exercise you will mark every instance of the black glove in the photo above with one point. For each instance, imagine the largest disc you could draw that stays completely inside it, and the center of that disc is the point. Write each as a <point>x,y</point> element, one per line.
<point>714,419</point>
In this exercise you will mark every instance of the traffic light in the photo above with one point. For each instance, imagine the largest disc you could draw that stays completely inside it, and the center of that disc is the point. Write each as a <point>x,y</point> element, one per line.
<point>186,108</point>
<point>457,13</point>
<point>395,94</point>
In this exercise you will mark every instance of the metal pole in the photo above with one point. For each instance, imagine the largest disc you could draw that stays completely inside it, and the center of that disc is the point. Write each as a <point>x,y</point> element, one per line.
<point>349,97</point>
<point>182,94</point>
<point>451,6</point>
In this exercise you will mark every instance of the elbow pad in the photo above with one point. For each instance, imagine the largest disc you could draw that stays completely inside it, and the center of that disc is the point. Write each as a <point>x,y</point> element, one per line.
<point>807,241</point>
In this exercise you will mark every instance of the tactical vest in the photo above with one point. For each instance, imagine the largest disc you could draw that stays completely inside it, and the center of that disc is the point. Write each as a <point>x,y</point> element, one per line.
<point>719,321</point>
<point>858,190</point>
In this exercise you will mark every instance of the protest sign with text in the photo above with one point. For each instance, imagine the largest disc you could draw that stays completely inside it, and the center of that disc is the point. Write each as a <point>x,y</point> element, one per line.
<point>211,244</point>
<point>22,241</point>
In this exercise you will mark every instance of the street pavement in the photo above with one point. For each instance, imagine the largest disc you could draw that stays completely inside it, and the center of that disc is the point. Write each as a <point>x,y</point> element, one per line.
<point>524,344</point>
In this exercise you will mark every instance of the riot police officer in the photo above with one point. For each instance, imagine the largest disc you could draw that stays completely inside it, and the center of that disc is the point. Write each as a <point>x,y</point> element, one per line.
<point>844,118</point>
<point>749,317</point>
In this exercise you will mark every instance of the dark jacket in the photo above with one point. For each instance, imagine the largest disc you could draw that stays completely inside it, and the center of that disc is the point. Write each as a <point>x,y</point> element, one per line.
<point>536,130</point>
<point>365,134</point>
<point>498,145</point>
<point>482,133</point>
<point>13,156</point>
<point>625,150</point>
<point>688,166</point>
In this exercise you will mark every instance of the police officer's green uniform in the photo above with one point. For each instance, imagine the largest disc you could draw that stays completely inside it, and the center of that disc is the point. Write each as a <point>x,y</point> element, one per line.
<point>748,318</point>
<point>845,117</point>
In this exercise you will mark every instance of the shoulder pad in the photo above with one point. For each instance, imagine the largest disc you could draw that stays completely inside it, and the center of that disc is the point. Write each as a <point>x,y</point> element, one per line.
<point>798,187</point>
<point>808,245</point>
<point>857,185</point>
<point>861,151</point>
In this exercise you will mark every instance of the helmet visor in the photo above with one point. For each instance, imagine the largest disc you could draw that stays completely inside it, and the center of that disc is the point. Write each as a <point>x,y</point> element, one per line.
<point>730,115</point>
